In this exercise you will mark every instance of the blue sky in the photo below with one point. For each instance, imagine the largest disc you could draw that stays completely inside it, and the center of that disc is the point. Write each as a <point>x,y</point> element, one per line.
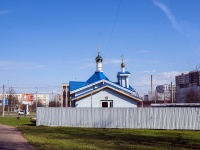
<point>44,43</point>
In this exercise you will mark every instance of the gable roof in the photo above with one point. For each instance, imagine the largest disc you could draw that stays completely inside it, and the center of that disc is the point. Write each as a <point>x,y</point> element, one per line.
<point>96,77</point>
<point>73,85</point>
<point>104,83</point>
<point>109,87</point>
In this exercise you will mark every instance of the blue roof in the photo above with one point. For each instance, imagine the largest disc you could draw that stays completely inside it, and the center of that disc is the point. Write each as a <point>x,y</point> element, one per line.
<point>96,77</point>
<point>126,72</point>
<point>110,86</point>
<point>76,85</point>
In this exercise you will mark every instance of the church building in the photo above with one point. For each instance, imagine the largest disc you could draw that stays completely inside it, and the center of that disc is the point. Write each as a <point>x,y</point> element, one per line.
<point>99,91</point>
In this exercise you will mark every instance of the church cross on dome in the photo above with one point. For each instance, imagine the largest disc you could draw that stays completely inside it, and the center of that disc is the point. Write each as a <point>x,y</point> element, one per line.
<point>122,58</point>
<point>99,48</point>
<point>123,64</point>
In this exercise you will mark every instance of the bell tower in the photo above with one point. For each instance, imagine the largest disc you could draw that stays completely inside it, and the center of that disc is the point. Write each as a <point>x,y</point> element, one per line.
<point>123,76</point>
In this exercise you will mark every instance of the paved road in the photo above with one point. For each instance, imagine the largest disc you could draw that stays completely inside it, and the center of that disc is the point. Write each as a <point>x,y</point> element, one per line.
<point>12,139</point>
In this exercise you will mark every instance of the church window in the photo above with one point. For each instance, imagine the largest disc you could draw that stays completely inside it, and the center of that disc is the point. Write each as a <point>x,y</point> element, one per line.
<point>106,103</point>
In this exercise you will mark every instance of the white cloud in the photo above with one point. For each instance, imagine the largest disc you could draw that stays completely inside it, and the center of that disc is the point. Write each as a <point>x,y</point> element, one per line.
<point>112,61</point>
<point>149,71</point>
<point>88,65</point>
<point>19,65</point>
<point>143,83</point>
<point>91,64</point>
<point>39,66</point>
<point>144,51</point>
<point>168,13</point>
<point>154,61</point>
<point>5,63</point>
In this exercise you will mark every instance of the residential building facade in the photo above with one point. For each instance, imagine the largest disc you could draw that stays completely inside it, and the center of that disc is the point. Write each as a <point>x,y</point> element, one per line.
<point>166,92</point>
<point>186,82</point>
<point>27,98</point>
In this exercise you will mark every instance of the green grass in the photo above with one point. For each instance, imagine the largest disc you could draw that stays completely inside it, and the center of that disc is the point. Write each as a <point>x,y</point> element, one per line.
<point>15,121</point>
<point>15,114</point>
<point>43,137</point>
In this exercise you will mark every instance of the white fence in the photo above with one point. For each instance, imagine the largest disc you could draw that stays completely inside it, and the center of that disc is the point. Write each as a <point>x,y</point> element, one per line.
<point>147,118</point>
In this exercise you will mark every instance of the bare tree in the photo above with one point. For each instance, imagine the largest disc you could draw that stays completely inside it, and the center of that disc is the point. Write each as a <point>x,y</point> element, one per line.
<point>12,99</point>
<point>54,103</point>
<point>154,96</point>
<point>192,96</point>
<point>33,106</point>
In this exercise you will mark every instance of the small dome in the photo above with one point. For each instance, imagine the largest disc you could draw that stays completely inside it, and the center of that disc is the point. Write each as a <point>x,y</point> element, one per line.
<point>99,58</point>
<point>122,64</point>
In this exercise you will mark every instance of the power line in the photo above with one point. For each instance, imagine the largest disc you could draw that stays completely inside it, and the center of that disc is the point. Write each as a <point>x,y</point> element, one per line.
<point>114,24</point>
<point>37,87</point>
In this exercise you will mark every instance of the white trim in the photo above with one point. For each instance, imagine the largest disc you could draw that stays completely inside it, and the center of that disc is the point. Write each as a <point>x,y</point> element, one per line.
<point>104,81</point>
<point>124,74</point>
<point>114,89</point>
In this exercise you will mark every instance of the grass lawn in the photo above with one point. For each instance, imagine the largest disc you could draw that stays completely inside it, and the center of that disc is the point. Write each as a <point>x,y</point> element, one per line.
<point>43,137</point>
<point>15,121</point>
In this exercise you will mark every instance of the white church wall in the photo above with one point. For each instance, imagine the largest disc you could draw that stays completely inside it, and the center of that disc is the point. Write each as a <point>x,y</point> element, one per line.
<point>118,99</point>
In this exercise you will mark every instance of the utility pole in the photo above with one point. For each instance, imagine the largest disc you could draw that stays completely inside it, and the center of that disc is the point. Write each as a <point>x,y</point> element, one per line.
<point>151,86</point>
<point>3,100</point>
<point>36,100</point>
<point>172,93</point>
<point>91,99</point>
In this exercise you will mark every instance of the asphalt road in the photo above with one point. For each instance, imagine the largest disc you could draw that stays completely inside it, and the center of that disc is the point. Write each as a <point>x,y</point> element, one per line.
<point>12,139</point>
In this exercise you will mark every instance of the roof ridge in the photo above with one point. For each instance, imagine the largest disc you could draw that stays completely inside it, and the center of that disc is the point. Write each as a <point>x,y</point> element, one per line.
<point>96,77</point>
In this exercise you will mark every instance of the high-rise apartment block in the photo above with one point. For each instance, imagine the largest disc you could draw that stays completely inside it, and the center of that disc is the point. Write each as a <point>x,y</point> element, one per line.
<point>187,81</point>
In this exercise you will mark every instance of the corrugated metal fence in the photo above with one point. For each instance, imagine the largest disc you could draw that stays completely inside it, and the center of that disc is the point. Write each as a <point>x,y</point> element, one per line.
<point>147,118</point>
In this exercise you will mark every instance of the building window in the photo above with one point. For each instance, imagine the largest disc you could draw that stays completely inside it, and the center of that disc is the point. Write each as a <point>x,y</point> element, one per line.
<point>107,103</point>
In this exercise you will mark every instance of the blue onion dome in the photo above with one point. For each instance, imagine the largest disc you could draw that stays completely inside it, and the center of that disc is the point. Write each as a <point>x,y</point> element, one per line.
<point>99,58</point>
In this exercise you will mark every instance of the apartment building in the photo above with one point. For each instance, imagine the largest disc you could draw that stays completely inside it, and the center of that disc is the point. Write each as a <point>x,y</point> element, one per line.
<point>166,92</point>
<point>58,98</point>
<point>186,81</point>
<point>27,98</point>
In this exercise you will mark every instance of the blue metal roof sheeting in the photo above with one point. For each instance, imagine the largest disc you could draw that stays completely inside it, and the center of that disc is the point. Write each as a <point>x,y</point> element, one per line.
<point>96,77</point>
<point>126,72</point>
<point>73,85</point>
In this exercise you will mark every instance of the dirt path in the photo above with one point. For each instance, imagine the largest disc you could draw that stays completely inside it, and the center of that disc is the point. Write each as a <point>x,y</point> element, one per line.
<point>12,139</point>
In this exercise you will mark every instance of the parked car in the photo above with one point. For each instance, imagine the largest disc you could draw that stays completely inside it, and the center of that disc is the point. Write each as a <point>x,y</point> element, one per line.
<point>21,112</point>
